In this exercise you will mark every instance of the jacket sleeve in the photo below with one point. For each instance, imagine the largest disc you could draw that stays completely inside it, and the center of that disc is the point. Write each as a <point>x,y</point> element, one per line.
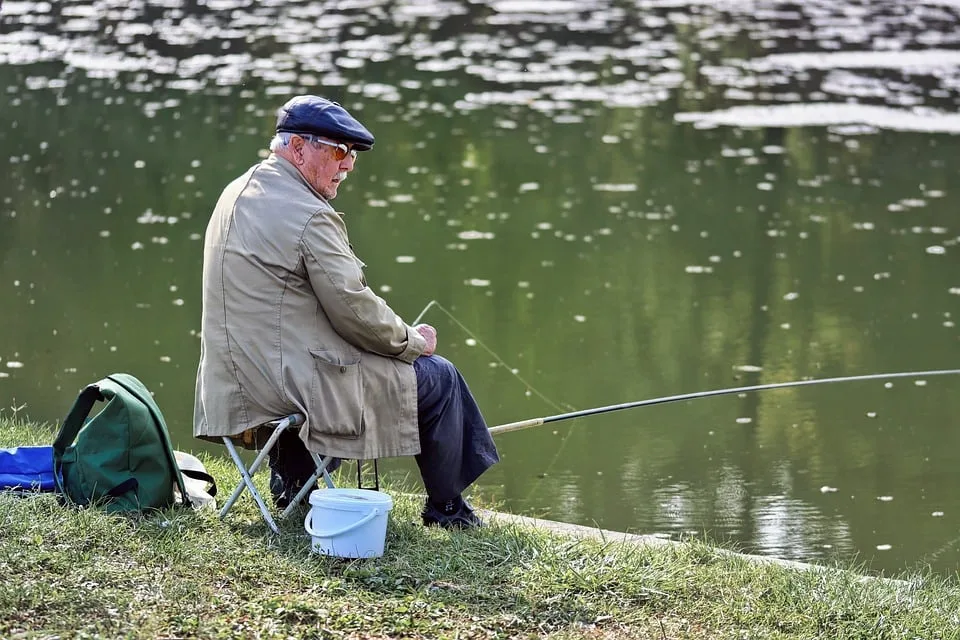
<point>359,315</point>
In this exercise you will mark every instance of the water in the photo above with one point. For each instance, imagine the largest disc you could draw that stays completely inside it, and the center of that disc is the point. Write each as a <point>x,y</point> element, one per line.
<point>621,200</point>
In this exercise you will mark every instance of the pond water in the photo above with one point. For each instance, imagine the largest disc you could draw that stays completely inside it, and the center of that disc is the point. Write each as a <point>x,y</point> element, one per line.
<point>611,200</point>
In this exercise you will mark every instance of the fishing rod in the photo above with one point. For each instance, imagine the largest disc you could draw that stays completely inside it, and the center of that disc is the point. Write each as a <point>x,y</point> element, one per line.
<point>536,422</point>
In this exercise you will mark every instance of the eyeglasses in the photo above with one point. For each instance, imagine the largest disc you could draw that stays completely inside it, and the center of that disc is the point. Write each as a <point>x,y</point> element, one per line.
<point>341,149</point>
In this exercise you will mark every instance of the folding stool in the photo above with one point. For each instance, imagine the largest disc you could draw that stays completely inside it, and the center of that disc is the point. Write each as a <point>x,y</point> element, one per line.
<point>276,427</point>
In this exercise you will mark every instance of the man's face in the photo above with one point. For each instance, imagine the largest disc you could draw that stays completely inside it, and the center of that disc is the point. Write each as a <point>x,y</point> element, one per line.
<point>326,164</point>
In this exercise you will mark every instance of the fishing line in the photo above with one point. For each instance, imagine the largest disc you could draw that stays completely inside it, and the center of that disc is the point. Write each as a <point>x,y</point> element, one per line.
<point>512,370</point>
<point>934,556</point>
<point>560,407</point>
<point>535,422</point>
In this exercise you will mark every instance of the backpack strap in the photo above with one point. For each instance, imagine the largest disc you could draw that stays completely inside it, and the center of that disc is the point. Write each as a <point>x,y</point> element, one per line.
<point>136,388</point>
<point>70,428</point>
<point>74,420</point>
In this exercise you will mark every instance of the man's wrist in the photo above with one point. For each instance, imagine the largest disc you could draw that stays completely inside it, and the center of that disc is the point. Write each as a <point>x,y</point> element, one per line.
<point>416,344</point>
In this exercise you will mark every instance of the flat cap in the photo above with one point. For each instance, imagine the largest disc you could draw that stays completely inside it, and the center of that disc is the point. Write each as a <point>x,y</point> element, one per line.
<point>322,117</point>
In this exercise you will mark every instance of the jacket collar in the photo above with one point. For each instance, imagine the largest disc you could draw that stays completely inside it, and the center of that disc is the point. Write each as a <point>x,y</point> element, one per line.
<point>288,169</point>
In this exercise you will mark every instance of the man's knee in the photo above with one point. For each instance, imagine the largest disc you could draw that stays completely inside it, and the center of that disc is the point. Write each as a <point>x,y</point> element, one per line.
<point>437,368</point>
<point>437,383</point>
<point>447,368</point>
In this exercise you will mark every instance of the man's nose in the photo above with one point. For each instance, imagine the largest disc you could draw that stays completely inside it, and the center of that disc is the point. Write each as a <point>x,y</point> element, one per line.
<point>347,163</point>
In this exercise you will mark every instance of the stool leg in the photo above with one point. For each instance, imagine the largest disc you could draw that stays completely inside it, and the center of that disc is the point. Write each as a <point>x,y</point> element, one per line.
<point>323,465</point>
<point>376,475</point>
<point>247,475</point>
<point>308,486</point>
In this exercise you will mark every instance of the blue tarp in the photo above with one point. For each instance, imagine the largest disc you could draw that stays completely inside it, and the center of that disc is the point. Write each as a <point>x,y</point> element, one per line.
<point>26,468</point>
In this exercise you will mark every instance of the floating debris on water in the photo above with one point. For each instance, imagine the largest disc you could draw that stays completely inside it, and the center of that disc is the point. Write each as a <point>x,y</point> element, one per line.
<point>476,235</point>
<point>616,188</point>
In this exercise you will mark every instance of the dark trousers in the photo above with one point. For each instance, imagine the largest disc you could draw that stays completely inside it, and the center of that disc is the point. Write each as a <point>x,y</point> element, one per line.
<point>455,445</point>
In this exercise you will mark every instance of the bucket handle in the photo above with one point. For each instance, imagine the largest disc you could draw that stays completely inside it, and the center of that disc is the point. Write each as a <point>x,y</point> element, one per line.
<point>308,525</point>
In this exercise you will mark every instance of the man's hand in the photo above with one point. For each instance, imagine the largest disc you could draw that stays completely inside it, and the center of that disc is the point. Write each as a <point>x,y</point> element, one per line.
<point>430,335</point>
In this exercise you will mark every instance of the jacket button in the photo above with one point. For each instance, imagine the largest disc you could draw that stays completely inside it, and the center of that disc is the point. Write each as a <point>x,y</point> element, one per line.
<point>343,369</point>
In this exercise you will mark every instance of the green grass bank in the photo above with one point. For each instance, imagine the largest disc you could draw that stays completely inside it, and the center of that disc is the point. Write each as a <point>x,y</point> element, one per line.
<point>69,573</point>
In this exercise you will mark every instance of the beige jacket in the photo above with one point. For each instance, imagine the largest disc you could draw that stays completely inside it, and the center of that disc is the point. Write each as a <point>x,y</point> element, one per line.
<point>290,325</point>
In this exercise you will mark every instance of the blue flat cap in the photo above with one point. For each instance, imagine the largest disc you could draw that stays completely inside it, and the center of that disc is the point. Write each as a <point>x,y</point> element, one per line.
<point>321,117</point>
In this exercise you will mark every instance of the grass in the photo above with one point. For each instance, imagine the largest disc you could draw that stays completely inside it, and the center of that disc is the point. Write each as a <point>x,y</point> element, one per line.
<point>85,573</point>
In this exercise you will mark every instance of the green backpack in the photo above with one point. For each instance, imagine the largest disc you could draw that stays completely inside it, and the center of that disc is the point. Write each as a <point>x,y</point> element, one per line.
<point>121,459</point>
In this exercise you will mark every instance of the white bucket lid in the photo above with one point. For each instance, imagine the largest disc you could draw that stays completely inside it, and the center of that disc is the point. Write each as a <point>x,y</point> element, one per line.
<point>350,499</point>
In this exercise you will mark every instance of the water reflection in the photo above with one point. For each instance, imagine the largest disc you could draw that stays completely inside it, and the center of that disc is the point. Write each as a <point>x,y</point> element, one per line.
<point>786,526</point>
<point>805,115</point>
<point>622,201</point>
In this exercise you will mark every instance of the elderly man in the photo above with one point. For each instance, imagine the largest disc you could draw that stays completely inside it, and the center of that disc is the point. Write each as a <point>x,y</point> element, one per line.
<point>290,325</point>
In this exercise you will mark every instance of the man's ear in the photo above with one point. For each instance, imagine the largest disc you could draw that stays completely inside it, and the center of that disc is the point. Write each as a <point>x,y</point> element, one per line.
<point>296,145</point>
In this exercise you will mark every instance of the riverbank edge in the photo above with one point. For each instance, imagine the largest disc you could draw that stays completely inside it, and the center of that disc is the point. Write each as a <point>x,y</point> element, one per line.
<point>643,540</point>
<point>188,574</point>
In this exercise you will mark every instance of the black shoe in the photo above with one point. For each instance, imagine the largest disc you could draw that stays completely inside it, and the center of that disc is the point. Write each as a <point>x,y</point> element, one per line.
<point>284,490</point>
<point>280,499</point>
<point>451,514</point>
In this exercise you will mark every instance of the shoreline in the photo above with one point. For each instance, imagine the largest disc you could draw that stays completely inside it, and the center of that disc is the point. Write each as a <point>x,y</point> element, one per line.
<point>187,574</point>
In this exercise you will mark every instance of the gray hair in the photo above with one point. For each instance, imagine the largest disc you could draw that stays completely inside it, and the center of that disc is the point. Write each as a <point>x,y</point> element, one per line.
<point>280,141</point>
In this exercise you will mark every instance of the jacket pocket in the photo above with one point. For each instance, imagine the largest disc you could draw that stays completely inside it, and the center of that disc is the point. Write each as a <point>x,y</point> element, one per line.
<point>336,397</point>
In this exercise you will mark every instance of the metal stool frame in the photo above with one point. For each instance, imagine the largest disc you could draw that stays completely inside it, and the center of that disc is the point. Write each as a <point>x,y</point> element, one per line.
<point>246,473</point>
